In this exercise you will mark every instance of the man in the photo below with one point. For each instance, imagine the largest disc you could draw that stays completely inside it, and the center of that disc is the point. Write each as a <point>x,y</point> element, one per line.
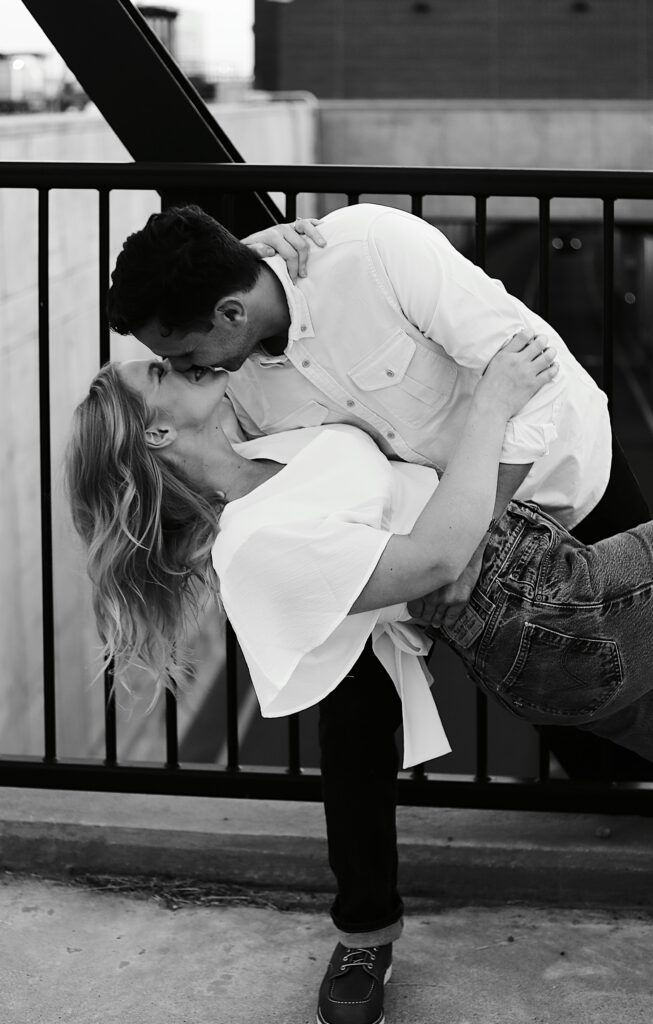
<point>389,331</point>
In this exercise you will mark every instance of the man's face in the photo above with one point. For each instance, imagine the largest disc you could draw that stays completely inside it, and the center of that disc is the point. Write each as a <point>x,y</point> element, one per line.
<point>226,345</point>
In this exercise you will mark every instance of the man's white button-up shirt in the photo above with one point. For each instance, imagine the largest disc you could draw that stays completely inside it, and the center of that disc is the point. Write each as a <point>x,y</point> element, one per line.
<point>390,331</point>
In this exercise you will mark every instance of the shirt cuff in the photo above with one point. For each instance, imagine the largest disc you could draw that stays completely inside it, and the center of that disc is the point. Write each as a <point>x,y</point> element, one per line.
<point>526,442</point>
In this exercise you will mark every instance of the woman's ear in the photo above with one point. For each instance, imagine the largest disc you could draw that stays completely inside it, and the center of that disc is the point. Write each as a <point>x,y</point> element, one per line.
<point>159,435</point>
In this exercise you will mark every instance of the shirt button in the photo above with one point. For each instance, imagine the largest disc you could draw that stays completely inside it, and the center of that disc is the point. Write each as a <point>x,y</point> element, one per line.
<point>351,403</point>
<point>389,373</point>
<point>303,327</point>
<point>306,362</point>
<point>391,435</point>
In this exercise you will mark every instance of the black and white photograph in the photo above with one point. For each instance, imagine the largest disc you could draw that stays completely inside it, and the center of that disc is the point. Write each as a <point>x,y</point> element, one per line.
<point>326,546</point>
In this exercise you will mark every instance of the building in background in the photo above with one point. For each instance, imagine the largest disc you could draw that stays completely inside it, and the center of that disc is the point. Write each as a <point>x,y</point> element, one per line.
<point>183,38</point>
<point>183,33</point>
<point>455,49</point>
<point>35,82</point>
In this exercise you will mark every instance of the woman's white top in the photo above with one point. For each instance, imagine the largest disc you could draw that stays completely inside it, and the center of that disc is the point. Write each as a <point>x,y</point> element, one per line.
<point>293,555</point>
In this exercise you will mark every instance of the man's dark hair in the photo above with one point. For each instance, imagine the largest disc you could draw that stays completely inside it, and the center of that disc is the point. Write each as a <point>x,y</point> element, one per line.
<point>175,269</point>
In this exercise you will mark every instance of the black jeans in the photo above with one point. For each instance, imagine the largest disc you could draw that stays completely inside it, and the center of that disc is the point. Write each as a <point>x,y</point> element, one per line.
<point>359,762</point>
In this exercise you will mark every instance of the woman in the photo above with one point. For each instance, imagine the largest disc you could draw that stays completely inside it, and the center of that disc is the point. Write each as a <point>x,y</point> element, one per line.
<point>318,541</point>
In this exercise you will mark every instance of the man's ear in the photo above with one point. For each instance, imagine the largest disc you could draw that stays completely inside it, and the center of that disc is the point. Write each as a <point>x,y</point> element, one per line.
<point>231,309</point>
<point>159,435</point>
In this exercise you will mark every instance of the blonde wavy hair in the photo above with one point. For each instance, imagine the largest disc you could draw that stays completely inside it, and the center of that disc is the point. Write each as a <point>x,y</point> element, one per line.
<point>148,532</point>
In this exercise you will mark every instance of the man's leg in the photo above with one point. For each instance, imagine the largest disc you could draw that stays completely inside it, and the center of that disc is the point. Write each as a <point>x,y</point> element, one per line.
<point>581,754</point>
<point>359,762</point>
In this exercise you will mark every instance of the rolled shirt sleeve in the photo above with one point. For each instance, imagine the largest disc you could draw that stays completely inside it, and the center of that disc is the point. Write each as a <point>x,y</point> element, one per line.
<point>471,315</point>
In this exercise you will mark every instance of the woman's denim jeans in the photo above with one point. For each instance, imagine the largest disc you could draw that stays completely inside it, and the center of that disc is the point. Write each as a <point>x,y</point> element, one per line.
<point>561,633</point>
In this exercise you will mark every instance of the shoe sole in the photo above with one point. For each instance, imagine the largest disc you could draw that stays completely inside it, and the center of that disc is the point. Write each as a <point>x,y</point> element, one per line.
<point>380,1020</point>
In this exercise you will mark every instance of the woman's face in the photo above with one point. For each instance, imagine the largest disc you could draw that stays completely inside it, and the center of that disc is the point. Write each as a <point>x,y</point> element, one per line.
<point>189,400</point>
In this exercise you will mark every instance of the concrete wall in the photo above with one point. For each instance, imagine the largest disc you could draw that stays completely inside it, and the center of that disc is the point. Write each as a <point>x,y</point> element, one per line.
<point>278,131</point>
<point>485,133</point>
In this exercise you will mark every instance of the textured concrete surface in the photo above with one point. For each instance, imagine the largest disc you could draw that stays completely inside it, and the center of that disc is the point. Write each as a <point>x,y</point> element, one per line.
<point>451,855</point>
<point>79,956</point>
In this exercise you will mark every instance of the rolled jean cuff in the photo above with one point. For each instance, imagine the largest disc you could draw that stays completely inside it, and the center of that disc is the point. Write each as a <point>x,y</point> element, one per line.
<point>365,940</point>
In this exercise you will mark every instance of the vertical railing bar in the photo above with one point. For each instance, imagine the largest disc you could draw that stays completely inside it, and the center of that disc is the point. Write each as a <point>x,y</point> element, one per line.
<point>47,585</point>
<point>480,258</point>
<point>110,735</point>
<point>110,738</point>
<point>104,272</point>
<point>294,767</point>
<point>291,205</point>
<point>418,773</point>
<point>416,204</point>
<point>607,382</point>
<point>172,732</point>
<point>481,738</point>
<point>480,231</point>
<point>353,198</point>
<point>231,653</point>
<point>544,255</point>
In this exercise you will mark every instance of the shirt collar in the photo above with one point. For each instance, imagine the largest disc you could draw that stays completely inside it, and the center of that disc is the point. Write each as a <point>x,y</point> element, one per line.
<point>301,325</point>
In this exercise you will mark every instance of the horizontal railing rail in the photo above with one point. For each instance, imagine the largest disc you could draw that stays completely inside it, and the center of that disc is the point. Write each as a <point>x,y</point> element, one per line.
<point>355,179</point>
<point>296,782</point>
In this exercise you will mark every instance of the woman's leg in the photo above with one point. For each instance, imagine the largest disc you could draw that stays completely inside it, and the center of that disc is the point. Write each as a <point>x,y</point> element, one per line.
<point>359,763</point>
<point>622,507</point>
<point>572,636</point>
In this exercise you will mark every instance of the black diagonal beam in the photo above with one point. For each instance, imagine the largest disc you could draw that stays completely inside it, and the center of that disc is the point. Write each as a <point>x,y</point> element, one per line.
<point>144,96</point>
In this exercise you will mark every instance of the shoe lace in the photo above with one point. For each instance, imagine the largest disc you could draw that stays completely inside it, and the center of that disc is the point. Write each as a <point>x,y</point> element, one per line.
<point>365,958</point>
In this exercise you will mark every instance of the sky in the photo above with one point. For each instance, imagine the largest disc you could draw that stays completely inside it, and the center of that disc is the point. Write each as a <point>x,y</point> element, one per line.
<point>227,30</point>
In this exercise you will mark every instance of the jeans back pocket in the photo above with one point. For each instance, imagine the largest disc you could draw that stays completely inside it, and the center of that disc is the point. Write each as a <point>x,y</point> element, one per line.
<point>555,676</point>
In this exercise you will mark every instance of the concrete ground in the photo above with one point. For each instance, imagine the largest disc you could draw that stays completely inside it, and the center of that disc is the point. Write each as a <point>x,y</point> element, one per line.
<point>450,855</point>
<point>82,955</point>
<point>125,909</point>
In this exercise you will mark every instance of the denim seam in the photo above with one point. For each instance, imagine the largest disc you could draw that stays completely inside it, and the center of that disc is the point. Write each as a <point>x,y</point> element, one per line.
<point>489,629</point>
<point>541,573</point>
<point>505,555</point>
<point>590,606</point>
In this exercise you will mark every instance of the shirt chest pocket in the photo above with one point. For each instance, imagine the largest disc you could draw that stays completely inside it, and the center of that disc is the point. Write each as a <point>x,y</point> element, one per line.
<point>410,381</point>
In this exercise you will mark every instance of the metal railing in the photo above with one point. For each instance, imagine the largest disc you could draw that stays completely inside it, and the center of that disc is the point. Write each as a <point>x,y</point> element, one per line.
<point>296,782</point>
